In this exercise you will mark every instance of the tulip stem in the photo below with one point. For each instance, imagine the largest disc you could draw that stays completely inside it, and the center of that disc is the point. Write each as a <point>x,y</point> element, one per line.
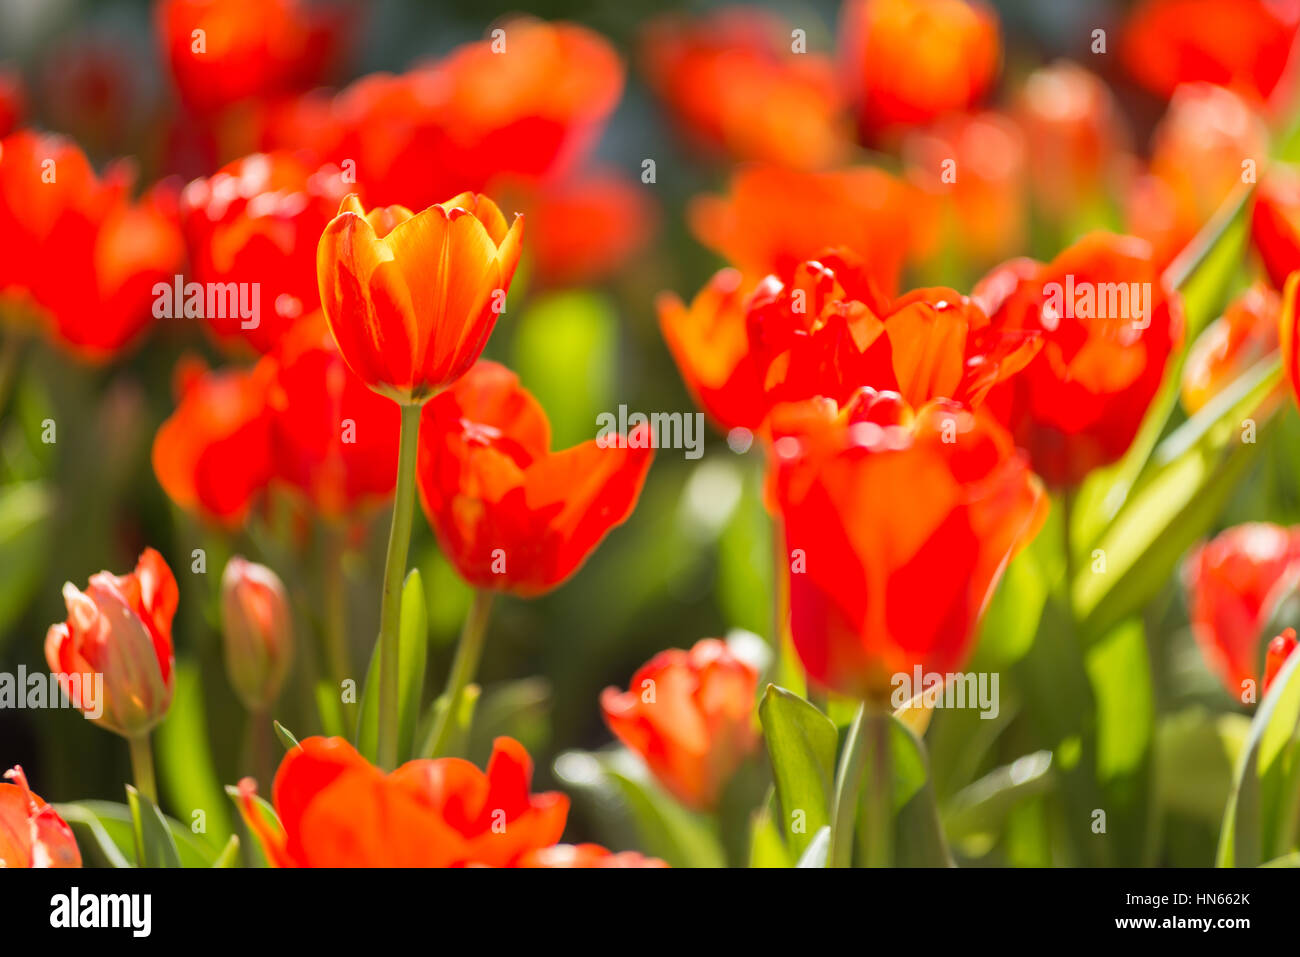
<point>336,619</point>
<point>142,766</point>
<point>468,653</point>
<point>848,780</point>
<point>868,733</point>
<point>879,815</point>
<point>399,542</point>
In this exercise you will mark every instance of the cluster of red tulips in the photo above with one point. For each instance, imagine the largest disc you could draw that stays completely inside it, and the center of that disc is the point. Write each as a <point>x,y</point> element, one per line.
<point>971,458</point>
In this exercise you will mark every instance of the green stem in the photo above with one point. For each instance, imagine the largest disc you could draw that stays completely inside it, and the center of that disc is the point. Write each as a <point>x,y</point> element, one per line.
<point>848,781</point>
<point>468,653</point>
<point>399,541</point>
<point>142,766</point>
<point>879,811</point>
<point>336,617</point>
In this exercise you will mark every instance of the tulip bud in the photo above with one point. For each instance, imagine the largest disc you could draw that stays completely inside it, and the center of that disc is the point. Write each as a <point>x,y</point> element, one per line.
<point>120,628</point>
<point>1279,649</point>
<point>31,832</point>
<point>257,631</point>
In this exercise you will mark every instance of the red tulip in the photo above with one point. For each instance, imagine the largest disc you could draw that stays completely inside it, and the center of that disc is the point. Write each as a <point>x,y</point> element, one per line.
<point>31,832</point>
<point>257,221</point>
<point>337,810</point>
<point>256,631</point>
<point>12,101</point>
<point>510,514</point>
<point>690,716</point>
<point>1233,583</point>
<point>412,298</point>
<point>908,62</point>
<point>586,855</point>
<point>1241,44</point>
<point>899,524</point>
<point>1275,223</point>
<point>1245,333</point>
<point>775,219</point>
<point>733,82</point>
<point>1109,325</point>
<point>1279,649</point>
<point>77,248</point>
<point>120,627</point>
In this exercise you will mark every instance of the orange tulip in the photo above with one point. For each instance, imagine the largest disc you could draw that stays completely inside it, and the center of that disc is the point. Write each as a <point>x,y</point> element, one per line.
<point>256,631</point>
<point>336,809</point>
<point>899,523</point>
<point>909,61</point>
<point>1241,44</point>
<point>31,832</point>
<point>734,85</point>
<point>1233,583</point>
<point>774,219</point>
<point>257,220</point>
<point>1275,223</point>
<point>120,627</point>
<point>1245,333</point>
<point>1279,650</point>
<point>1109,325</point>
<point>412,298</point>
<point>508,513</point>
<point>586,855</point>
<point>690,716</point>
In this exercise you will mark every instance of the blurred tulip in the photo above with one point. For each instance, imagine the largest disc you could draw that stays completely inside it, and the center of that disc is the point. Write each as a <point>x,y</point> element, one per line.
<point>734,84</point>
<point>77,248</point>
<point>899,523</point>
<point>332,439</point>
<point>13,101</point>
<point>907,62</point>
<point>213,455</point>
<point>220,52</point>
<point>1279,649</point>
<point>1074,134</point>
<point>1241,44</point>
<point>1275,223</point>
<point>257,632</point>
<point>120,627</point>
<point>1208,142</point>
<point>508,513</point>
<point>412,298</point>
<point>774,219</point>
<point>1245,333</point>
<point>586,855</point>
<point>258,221</point>
<point>587,229</point>
<point>338,810</point>
<point>690,716</point>
<point>1109,325</point>
<point>972,170</point>
<point>709,341</point>
<point>31,832</point>
<point>1233,584</point>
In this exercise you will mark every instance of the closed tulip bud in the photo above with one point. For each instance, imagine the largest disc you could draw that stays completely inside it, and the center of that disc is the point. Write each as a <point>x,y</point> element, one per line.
<point>256,630</point>
<point>1279,649</point>
<point>120,627</point>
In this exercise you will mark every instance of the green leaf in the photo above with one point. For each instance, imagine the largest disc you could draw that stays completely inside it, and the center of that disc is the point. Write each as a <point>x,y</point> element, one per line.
<point>229,856</point>
<point>818,849</point>
<point>766,846</point>
<point>1191,475</point>
<point>1007,632</point>
<point>285,737</point>
<point>1196,753</point>
<point>918,835</point>
<point>1260,820</point>
<point>187,773</point>
<point>801,742</point>
<point>25,530</point>
<point>111,825</point>
<point>155,846</point>
<point>330,707</point>
<point>565,351</point>
<point>413,650</point>
<point>979,809</point>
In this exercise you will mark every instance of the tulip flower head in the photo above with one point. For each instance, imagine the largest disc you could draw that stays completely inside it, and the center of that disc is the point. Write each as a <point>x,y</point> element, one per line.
<point>1245,333</point>
<point>257,631</point>
<point>335,809</point>
<point>690,716</point>
<point>1279,650</point>
<point>120,627</point>
<point>412,298</point>
<point>510,514</point>
<point>31,832</point>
